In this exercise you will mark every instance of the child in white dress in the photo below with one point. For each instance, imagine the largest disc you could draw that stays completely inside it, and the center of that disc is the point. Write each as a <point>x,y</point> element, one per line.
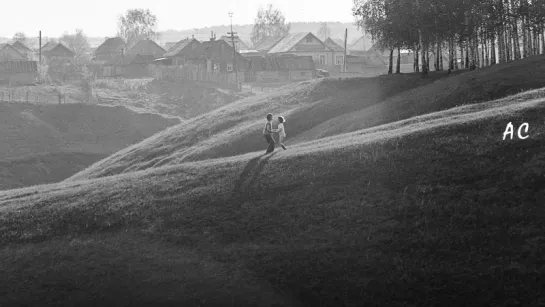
<point>281,131</point>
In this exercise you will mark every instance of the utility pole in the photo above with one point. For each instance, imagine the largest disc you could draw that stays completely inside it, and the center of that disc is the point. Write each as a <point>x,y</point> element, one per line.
<point>40,47</point>
<point>234,49</point>
<point>345,38</point>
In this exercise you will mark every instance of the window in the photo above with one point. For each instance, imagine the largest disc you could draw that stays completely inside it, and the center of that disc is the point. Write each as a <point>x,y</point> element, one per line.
<point>216,67</point>
<point>309,39</point>
<point>194,46</point>
<point>322,59</point>
<point>229,67</point>
<point>339,60</point>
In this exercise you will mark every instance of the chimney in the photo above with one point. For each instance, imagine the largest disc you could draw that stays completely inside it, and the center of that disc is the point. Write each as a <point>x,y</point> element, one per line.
<point>192,35</point>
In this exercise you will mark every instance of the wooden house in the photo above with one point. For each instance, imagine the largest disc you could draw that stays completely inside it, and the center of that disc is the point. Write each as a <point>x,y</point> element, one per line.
<point>110,49</point>
<point>9,53</point>
<point>146,47</point>
<point>280,69</point>
<point>307,44</point>
<point>337,53</point>
<point>24,50</point>
<point>18,73</point>
<point>57,50</point>
<point>266,45</point>
<point>217,56</point>
<point>181,50</point>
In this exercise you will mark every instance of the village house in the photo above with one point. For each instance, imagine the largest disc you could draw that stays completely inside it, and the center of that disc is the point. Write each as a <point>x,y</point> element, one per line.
<point>9,53</point>
<point>24,50</point>
<point>18,73</point>
<point>307,44</point>
<point>217,56</point>
<point>181,50</point>
<point>265,45</point>
<point>146,47</point>
<point>111,48</point>
<point>337,54</point>
<point>360,46</point>
<point>57,50</point>
<point>280,69</point>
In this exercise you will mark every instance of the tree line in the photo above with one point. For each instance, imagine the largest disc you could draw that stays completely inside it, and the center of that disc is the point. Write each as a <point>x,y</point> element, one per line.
<point>469,34</point>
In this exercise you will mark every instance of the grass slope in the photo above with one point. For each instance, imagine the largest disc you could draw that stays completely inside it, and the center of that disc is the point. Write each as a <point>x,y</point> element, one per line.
<point>472,87</point>
<point>47,143</point>
<point>235,129</point>
<point>435,210</point>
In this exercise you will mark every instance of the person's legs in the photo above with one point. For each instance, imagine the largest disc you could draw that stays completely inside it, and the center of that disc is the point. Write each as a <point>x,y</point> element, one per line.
<point>270,140</point>
<point>281,141</point>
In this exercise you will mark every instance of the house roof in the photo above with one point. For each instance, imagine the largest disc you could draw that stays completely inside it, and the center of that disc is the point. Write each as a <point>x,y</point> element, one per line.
<point>144,43</point>
<point>169,45</point>
<point>281,63</point>
<point>239,43</point>
<point>20,47</point>
<point>289,41</point>
<point>362,43</point>
<point>18,66</point>
<point>268,43</point>
<point>331,44</point>
<point>50,46</point>
<point>112,45</point>
<point>179,47</point>
<point>8,46</point>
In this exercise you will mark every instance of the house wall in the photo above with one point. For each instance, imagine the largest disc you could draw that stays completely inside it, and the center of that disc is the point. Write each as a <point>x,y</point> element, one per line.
<point>18,78</point>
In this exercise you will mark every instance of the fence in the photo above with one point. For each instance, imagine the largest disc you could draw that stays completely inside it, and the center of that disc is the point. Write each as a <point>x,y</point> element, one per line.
<point>197,73</point>
<point>16,94</point>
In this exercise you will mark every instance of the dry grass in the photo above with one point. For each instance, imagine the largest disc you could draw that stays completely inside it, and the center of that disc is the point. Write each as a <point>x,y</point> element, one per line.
<point>434,211</point>
<point>235,129</point>
<point>47,143</point>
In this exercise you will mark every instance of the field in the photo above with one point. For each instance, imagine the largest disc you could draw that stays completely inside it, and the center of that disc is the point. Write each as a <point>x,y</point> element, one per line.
<point>49,143</point>
<point>426,206</point>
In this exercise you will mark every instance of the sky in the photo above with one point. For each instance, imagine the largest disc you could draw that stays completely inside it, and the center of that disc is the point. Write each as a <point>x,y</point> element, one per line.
<point>98,18</point>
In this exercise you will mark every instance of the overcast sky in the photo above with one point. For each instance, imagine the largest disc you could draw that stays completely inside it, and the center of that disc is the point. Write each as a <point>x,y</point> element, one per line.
<point>99,17</point>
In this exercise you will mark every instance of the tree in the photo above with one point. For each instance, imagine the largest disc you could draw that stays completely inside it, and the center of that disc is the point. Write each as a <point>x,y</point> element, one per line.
<point>20,37</point>
<point>137,24</point>
<point>269,22</point>
<point>77,42</point>
<point>324,31</point>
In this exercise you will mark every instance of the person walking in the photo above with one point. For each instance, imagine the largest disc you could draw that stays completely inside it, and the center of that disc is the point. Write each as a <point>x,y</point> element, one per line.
<point>281,131</point>
<point>268,134</point>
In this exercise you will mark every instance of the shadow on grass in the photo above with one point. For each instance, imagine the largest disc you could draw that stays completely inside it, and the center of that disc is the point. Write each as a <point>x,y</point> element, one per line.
<point>251,172</point>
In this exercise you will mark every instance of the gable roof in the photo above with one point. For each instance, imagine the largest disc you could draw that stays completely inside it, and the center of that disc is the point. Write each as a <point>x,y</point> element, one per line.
<point>289,41</point>
<point>331,44</point>
<point>239,43</point>
<point>51,46</point>
<point>268,43</point>
<point>20,47</point>
<point>169,45</point>
<point>363,43</point>
<point>112,45</point>
<point>141,44</point>
<point>8,46</point>
<point>179,47</point>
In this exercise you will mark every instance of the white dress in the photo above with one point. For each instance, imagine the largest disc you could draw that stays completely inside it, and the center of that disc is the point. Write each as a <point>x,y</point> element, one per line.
<point>281,132</point>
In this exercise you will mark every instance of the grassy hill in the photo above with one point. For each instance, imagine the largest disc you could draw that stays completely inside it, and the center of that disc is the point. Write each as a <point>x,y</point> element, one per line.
<point>317,109</point>
<point>434,210</point>
<point>235,128</point>
<point>48,143</point>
